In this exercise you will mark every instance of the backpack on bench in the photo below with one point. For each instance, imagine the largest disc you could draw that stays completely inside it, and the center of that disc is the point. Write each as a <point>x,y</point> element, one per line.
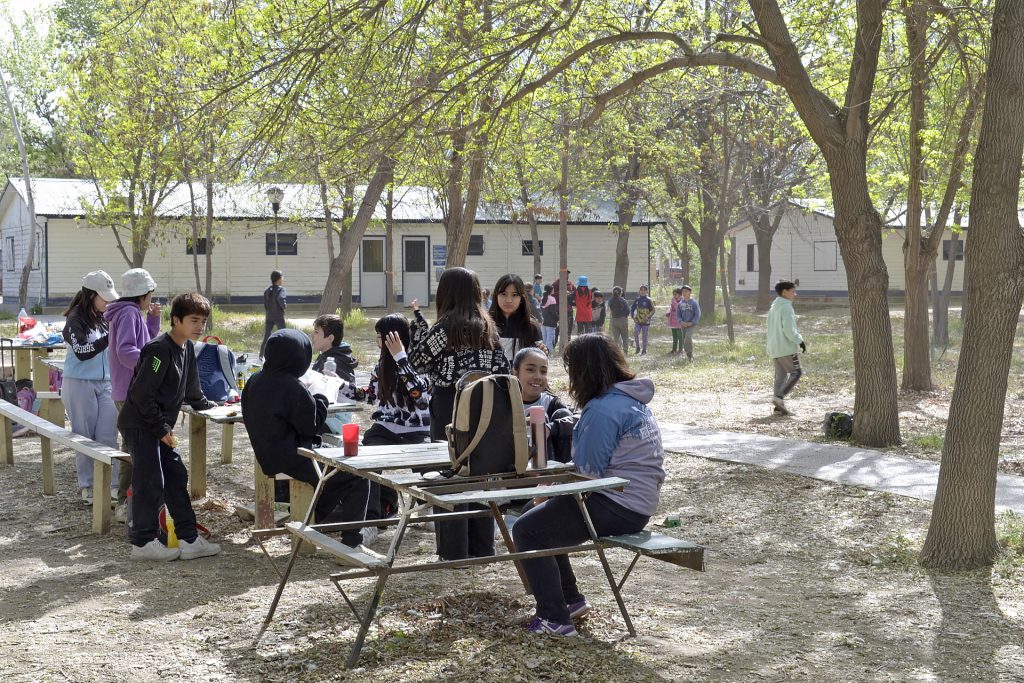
<point>216,366</point>
<point>488,430</point>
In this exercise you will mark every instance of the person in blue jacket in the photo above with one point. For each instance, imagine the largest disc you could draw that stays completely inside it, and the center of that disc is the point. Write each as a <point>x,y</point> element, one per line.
<point>86,386</point>
<point>616,436</point>
<point>688,316</point>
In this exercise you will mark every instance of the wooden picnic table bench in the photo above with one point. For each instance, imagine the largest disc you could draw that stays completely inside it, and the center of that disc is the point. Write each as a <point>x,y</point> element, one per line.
<point>102,456</point>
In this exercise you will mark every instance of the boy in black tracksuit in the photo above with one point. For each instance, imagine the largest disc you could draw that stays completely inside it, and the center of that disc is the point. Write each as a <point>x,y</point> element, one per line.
<point>275,301</point>
<point>281,416</point>
<point>165,376</point>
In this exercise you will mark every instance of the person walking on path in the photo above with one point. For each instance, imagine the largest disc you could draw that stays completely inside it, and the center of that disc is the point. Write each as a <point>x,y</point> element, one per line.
<point>688,315</point>
<point>275,301</point>
<point>784,341</point>
<point>642,312</point>
<point>619,309</point>
<point>673,322</point>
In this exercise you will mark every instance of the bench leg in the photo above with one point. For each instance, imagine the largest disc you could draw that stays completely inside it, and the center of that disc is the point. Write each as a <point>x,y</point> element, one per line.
<point>227,439</point>
<point>264,499</point>
<point>46,447</point>
<point>500,521</point>
<point>52,410</point>
<point>301,496</point>
<point>364,625</point>
<point>604,563</point>
<point>101,497</point>
<point>6,442</point>
<point>197,456</point>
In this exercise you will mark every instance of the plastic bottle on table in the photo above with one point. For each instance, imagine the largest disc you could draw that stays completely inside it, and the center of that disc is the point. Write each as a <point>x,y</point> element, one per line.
<point>331,368</point>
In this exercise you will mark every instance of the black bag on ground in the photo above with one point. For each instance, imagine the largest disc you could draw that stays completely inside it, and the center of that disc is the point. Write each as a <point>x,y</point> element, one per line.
<point>838,425</point>
<point>8,387</point>
<point>488,430</point>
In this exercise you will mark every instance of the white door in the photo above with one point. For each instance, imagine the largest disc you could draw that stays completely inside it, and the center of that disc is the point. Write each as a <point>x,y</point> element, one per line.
<point>371,273</point>
<point>415,270</point>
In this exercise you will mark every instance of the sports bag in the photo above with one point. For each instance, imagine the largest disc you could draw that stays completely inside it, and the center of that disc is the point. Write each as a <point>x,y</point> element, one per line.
<point>488,430</point>
<point>216,365</point>
<point>838,425</point>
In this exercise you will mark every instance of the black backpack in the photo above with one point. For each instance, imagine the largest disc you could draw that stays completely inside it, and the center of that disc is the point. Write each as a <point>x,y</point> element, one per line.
<point>488,430</point>
<point>838,425</point>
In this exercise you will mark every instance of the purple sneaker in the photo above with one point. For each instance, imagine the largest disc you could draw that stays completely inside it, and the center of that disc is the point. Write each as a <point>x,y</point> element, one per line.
<point>578,608</point>
<point>544,626</point>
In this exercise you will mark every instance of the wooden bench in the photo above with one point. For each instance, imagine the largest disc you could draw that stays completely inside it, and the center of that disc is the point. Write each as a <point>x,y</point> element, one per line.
<point>300,495</point>
<point>103,457</point>
<point>354,558</point>
<point>51,407</point>
<point>659,546</point>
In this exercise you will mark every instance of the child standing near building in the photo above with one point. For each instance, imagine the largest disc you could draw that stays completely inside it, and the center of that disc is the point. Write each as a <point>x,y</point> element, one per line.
<point>642,313</point>
<point>86,387</point>
<point>599,311</point>
<point>166,376</point>
<point>275,301</point>
<point>584,305</point>
<point>549,318</point>
<point>688,315</point>
<point>784,341</point>
<point>673,321</point>
<point>464,338</point>
<point>619,308</point>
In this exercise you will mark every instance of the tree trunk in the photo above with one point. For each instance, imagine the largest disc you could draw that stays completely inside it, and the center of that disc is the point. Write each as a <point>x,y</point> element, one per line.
<point>462,211</point>
<point>26,269</point>
<point>625,211</point>
<point>339,278</point>
<point>708,248</point>
<point>726,301</point>
<point>389,249</point>
<point>764,269</point>
<point>859,232</point>
<point>209,235</point>
<point>531,217</point>
<point>563,243</point>
<point>941,325</point>
<point>961,534</point>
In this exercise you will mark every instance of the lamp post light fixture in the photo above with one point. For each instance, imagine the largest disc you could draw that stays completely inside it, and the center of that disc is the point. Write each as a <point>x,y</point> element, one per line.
<point>275,194</point>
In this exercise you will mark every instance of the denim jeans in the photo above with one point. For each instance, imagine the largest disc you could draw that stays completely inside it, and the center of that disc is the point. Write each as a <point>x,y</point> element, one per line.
<point>558,522</point>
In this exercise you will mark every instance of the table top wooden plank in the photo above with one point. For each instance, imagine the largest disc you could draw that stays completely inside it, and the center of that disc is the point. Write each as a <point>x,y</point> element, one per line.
<point>232,413</point>
<point>380,458</point>
<point>450,500</point>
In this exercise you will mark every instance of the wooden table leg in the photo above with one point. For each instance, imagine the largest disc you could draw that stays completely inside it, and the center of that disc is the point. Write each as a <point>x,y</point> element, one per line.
<point>227,442</point>
<point>197,455</point>
<point>23,364</point>
<point>264,511</point>
<point>499,519</point>
<point>6,442</point>
<point>40,370</point>
<point>101,497</point>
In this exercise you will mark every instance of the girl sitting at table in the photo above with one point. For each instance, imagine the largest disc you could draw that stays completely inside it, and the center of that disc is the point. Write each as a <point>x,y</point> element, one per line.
<point>530,367</point>
<point>616,436</point>
<point>462,339</point>
<point>401,397</point>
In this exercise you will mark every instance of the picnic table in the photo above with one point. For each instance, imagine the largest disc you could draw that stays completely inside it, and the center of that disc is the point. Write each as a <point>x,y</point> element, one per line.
<point>30,360</point>
<point>227,416</point>
<point>416,493</point>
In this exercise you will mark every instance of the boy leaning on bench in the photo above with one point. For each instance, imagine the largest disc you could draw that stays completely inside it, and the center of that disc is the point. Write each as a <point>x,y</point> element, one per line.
<point>166,375</point>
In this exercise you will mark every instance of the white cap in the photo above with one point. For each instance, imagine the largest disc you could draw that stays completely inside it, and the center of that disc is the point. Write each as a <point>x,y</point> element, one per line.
<point>137,282</point>
<point>101,283</point>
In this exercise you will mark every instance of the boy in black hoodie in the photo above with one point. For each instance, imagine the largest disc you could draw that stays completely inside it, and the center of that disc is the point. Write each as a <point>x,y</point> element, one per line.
<point>281,416</point>
<point>275,301</point>
<point>165,376</point>
<point>328,331</point>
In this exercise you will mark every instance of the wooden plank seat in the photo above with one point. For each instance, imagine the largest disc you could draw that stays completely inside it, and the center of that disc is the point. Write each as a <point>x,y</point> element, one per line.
<point>345,554</point>
<point>659,546</point>
<point>103,457</point>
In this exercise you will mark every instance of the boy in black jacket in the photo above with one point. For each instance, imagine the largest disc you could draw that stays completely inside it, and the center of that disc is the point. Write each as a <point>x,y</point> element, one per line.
<point>328,331</point>
<point>275,301</point>
<point>281,416</point>
<point>165,376</point>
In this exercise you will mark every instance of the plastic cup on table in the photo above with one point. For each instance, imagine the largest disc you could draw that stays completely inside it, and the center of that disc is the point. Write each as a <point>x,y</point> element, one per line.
<point>350,438</point>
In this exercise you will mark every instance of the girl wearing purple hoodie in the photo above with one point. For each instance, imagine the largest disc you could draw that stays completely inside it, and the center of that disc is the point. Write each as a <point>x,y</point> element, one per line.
<point>132,320</point>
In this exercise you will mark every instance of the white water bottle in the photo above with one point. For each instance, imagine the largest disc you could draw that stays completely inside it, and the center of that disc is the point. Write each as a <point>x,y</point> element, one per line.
<point>331,368</point>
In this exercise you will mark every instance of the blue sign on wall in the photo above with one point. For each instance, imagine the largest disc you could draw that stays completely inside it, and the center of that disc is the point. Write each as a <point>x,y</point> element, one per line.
<point>440,254</point>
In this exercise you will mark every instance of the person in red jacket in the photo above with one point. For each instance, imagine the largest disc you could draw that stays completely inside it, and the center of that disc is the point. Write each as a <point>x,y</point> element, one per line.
<point>584,306</point>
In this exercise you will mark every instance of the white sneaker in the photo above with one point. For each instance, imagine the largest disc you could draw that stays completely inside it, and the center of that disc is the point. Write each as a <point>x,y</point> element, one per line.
<point>198,548</point>
<point>86,493</point>
<point>154,551</point>
<point>370,535</point>
<point>121,513</point>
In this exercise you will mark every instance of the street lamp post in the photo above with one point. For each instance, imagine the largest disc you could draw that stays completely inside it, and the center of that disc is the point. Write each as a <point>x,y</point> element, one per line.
<point>275,194</point>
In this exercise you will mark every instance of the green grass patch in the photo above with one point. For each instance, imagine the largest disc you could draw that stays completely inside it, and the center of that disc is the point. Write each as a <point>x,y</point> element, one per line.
<point>1010,535</point>
<point>929,442</point>
<point>896,551</point>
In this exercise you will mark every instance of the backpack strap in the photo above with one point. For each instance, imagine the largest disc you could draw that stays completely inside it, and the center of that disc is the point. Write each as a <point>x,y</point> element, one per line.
<point>486,410</point>
<point>522,446</point>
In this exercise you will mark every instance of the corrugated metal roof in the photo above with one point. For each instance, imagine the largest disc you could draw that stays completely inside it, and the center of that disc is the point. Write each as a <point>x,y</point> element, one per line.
<point>58,197</point>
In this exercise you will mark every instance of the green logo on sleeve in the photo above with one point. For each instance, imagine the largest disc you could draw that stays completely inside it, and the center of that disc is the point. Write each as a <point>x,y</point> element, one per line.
<point>156,365</point>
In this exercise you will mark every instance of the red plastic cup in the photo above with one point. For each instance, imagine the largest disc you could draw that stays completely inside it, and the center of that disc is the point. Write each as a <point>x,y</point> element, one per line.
<point>350,438</point>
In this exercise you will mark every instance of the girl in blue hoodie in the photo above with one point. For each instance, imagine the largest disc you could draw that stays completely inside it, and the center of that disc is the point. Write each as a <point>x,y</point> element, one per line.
<point>86,388</point>
<point>616,436</point>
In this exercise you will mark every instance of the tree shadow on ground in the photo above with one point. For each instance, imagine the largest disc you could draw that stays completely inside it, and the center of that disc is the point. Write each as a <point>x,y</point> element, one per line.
<point>973,630</point>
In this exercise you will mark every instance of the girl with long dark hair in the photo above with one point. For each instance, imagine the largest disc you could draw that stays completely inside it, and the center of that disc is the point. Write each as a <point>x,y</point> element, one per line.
<point>463,339</point>
<point>510,311</point>
<point>616,436</point>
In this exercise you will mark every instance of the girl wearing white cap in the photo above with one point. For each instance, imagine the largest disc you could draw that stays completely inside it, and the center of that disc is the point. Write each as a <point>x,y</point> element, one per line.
<point>86,386</point>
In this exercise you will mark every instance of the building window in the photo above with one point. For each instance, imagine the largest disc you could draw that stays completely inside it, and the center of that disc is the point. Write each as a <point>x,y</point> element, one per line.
<point>287,244</point>
<point>200,249</point>
<point>826,256</point>
<point>10,253</point>
<point>751,258</point>
<point>528,247</point>
<point>373,256</point>
<point>947,245</point>
<point>476,245</point>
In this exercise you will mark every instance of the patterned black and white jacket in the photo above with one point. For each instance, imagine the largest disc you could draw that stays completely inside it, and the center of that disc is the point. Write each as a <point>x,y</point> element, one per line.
<point>431,356</point>
<point>406,411</point>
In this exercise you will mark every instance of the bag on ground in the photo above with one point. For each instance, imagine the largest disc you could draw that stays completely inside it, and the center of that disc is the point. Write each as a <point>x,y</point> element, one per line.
<point>488,430</point>
<point>838,425</point>
<point>216,366</point>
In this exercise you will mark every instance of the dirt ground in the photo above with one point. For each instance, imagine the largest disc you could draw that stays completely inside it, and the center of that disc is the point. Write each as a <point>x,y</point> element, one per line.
<point>805,581</point>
